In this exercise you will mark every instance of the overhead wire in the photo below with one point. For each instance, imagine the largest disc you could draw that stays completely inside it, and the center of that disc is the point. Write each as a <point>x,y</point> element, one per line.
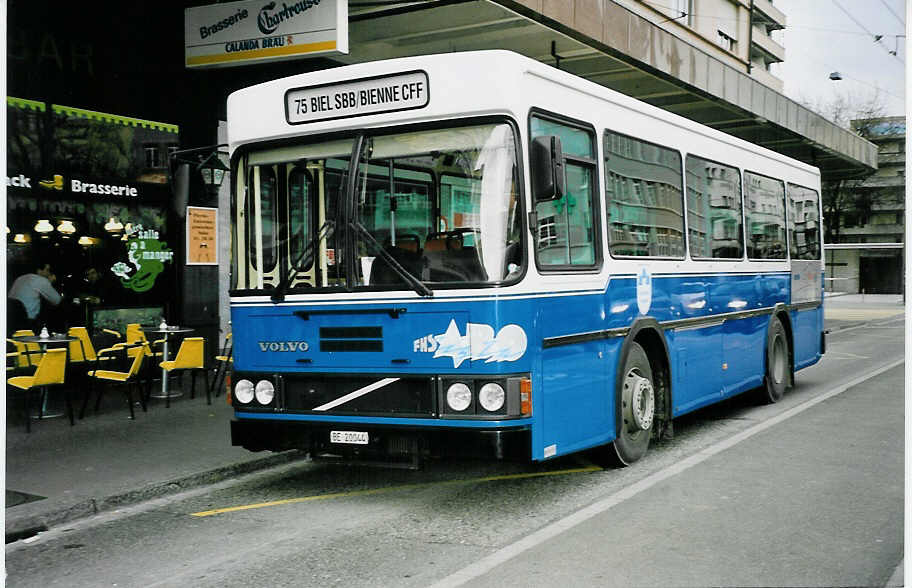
<point>890,8</point>
<point>876,38</point>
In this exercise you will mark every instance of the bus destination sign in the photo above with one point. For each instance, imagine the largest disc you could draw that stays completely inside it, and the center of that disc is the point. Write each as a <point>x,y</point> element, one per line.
<point>357,98</point>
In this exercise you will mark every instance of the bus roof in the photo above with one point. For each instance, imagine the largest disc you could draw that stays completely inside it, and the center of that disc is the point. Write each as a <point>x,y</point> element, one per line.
<point>473,83</point>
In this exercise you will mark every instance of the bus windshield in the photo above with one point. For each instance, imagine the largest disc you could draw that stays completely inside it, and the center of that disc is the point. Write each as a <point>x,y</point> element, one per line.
<point>437,207</point>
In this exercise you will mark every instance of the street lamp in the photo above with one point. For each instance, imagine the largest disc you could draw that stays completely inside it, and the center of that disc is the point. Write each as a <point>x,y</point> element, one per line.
<point>212,170</point>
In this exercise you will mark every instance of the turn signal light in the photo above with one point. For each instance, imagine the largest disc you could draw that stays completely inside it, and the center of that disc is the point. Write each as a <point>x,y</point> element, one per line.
<point>525,397</point>
<point>228,388</point>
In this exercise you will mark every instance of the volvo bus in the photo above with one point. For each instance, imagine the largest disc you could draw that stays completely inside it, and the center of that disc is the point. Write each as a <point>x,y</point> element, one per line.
<point>479,254</point>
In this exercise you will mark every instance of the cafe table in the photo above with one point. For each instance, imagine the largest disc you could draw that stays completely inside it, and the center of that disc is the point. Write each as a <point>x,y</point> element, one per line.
<point>167,332</point>
<point>43,341</point>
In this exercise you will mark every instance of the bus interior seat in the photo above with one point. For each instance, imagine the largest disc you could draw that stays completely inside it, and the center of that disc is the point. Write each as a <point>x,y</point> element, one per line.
<point>407,252</point>
<point>449,259</point>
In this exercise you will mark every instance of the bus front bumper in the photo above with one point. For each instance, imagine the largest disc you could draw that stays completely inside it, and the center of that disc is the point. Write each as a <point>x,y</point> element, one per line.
<point>376,441</point>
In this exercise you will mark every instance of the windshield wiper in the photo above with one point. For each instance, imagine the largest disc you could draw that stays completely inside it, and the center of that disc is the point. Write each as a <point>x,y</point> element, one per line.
<point>416,284</point>
<point>303,260</point>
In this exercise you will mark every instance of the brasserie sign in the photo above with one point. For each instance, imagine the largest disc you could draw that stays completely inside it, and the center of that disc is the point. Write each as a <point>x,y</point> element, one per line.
<point>239,33</point>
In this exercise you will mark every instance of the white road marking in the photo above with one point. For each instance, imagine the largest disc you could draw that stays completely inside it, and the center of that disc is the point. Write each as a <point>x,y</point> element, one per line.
<point>551,531</point>
<point>844,355</point>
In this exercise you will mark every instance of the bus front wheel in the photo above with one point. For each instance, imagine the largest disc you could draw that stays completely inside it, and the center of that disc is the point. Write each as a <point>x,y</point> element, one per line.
<point>776,379</point>
<point>637,398</point>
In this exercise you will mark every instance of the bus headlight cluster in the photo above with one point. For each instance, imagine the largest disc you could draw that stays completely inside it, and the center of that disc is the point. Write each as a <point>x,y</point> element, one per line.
<point>459,397</point>
<point>245,391</point>
<point>492,397</point>
<point>265,392</point>
<point>504,398</point>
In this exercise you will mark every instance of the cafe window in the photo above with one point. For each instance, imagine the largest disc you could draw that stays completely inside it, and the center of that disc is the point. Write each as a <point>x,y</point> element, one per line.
<point>153,156</point>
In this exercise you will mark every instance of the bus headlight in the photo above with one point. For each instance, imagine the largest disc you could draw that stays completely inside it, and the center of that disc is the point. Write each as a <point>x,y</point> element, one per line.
<point>244,391</point>
<point>492,397</point>
<point>265,392</point>
<point>459,397</point>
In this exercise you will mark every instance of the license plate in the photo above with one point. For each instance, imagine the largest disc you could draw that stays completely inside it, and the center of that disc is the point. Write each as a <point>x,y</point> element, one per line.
<point>348,437</point>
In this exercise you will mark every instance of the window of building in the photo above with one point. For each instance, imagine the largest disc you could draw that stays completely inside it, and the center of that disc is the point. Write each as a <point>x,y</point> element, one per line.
<point>765,217</point>
<point>726,42</point>
<point>683,11</point>
<point>153,156</point>
<point>568,228</point>
<point>804,223</point>
<point>649,221</point>
<point>713,209</point>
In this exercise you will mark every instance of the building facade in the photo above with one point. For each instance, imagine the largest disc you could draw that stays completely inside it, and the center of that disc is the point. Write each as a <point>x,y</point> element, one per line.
<point>866,252</point>
<point>743,34</point>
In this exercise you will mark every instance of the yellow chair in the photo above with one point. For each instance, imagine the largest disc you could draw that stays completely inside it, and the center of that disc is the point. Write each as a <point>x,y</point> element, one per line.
<point>129,379</point>
<point>82,350</point>
<point>191,356</point>
<point>50,372</point>
<point>29,353</point>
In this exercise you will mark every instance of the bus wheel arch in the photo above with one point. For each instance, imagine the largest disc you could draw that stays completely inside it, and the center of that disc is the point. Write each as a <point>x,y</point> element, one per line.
<point>778,360</point>
<point>642,392</point>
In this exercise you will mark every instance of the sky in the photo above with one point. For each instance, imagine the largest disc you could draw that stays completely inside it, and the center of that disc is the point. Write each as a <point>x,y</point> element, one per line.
<point>824,36</point>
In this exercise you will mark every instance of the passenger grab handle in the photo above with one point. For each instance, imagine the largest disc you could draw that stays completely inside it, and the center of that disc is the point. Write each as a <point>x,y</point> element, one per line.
<point>393,312</point>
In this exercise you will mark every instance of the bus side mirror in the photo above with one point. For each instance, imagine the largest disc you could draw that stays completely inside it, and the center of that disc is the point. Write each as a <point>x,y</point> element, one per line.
<point>547,168</point>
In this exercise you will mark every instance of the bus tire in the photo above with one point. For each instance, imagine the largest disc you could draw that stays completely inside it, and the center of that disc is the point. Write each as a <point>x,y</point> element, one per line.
<point>776,378</point>
<point>638,404</point>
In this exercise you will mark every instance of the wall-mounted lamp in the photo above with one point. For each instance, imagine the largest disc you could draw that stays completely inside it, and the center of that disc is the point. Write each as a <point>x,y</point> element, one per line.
<point>43,226</point>
<point>66,227</point>
<point>213,171</point>
<point>113,225</point>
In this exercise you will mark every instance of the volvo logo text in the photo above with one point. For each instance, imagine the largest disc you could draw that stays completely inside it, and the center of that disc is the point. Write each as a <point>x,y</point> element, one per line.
<point>283,345</point>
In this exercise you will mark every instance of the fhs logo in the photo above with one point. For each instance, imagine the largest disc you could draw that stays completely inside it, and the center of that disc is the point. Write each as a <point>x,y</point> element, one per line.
<point>479,342</point>
<point>268,21</point>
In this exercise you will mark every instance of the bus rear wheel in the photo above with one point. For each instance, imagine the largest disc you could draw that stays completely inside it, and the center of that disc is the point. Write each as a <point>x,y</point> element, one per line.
<point>637,398</point>
<point>776,379</point>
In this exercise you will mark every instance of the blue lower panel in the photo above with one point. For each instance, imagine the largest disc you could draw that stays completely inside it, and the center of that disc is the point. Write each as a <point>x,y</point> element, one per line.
<point>743,352</point>
<point>577,399</point>
<point>807,326</point>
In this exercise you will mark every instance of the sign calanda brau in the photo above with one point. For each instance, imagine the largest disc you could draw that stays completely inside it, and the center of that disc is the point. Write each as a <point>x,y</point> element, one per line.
<point>249,31</point>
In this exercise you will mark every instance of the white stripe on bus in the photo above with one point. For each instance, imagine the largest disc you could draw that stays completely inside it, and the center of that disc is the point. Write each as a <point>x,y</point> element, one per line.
<point>357,393</point>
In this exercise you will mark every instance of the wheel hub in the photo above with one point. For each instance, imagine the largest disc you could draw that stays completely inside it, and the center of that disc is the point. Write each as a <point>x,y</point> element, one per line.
<point>639,401</point>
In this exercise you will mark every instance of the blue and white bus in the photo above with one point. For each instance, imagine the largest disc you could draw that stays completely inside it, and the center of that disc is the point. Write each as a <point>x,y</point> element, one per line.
<point>476,253</point>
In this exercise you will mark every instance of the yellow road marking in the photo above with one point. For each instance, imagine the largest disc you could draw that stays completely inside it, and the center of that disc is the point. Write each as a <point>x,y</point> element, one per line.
<point>209,513</point>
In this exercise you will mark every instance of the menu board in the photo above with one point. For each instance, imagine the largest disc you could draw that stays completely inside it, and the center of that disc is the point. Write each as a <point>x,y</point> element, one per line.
<point>202,236</point>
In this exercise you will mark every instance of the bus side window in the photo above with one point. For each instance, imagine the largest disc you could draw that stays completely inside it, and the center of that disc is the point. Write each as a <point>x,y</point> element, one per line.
<point>765,212</point>
<point>644,199</point>
<point>804,232</point>
<point>713,209</point>
<point>567,235</point>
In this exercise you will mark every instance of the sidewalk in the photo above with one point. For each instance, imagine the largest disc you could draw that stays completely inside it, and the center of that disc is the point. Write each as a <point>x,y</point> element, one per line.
<point>106,460</point>
<point>58,473</point>
<point>841,311</point>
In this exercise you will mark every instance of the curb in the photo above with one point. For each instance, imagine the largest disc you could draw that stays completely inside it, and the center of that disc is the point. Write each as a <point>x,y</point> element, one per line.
<point>26,526</point>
